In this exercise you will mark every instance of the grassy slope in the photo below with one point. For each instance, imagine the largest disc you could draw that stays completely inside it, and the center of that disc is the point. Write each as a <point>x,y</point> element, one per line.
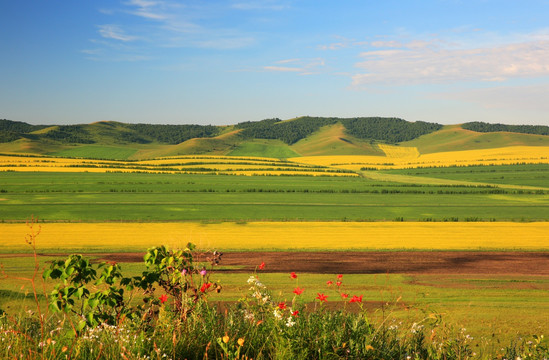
<point>454,138</point>
<point>329,140</point>
<point>332,140</point>
<point>264,148</point>
<point>219,145</point>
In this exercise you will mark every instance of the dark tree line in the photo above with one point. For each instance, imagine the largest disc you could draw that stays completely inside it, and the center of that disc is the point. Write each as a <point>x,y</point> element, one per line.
<point>523,129</point>
<point>172,134</point>
<point>375,128</point>
<point>392,130</point>
<point>70,134</point>
<point>13,130</point>
<point>288,131</point>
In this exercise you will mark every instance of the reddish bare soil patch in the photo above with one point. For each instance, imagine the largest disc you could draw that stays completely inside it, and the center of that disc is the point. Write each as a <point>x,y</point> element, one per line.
<point>415,262</point>
<point>421,262</point>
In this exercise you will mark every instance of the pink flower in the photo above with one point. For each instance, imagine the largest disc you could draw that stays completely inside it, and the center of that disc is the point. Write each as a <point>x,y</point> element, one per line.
<point>262,266</point>
<point>293,275</point>
<point>183,272</point>
<point>163,298</point>
<point>203,272</point>
<point>322,297</point>
<point>357,299</point>
<point>298,291</point>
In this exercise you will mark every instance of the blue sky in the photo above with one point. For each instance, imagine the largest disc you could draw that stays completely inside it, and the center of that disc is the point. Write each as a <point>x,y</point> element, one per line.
<point>223,62</point>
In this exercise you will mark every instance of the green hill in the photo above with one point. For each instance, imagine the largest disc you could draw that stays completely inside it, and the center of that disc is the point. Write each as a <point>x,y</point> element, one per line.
<point>302,136</point>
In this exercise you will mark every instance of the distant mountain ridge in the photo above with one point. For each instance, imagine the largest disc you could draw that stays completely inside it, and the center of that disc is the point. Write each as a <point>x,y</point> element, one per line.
<point>269,137</point>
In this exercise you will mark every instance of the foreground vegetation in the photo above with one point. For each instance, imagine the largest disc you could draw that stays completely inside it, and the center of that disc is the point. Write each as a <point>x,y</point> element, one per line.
<point>96,312</point>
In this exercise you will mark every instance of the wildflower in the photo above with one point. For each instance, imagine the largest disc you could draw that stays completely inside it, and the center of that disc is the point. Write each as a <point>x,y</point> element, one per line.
<point>226,338</point>
<point>290,322</point>
<point>338,284</point>
<point>240,341</point>
<point>205,287</point>
<point>203,272</point>
<point>344,296</point>
<point>282,305</point>
<point>277,314</point>
<point>163,298</point>
<point>262,266</point>
<point>183,272</point>
<point>293,275</point>
<point>322,297</point>
<point>357,299</point>
<point>339,277</point>
<point>298,291</point>
<point>329,282</point>
<point>295,313</point>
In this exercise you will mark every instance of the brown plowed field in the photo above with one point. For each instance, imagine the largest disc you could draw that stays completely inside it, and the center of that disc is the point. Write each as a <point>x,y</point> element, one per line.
<point>420,262</point>
<point>377,262</point>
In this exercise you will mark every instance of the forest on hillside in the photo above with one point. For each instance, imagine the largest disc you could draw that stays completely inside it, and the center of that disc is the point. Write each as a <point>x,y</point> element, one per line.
<point>524,129</point>
<point>391,130</point>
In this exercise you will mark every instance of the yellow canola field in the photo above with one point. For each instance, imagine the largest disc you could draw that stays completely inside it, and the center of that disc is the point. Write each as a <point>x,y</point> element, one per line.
<point>98,237</point>
<point>399,152</point>
<point>405,159</point>
<point>228,165</point>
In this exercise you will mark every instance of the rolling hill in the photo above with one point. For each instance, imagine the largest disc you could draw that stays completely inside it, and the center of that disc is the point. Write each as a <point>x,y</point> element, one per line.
<point>275,138</point>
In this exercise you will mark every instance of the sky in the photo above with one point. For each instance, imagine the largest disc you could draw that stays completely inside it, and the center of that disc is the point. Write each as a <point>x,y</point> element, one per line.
<point>221,62</point>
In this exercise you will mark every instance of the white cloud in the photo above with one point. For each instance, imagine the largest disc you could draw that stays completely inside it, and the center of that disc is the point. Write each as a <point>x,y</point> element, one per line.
<point>282,69</point>
<point>303,66</point>
<point>111,31</point>
<point>428,62</point>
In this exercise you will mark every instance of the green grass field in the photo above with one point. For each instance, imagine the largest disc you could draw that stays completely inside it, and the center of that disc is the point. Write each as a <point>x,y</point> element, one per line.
<point>160,197</point>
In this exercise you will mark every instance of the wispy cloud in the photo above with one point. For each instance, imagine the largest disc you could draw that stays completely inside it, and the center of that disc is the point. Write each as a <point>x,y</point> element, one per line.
<point>161,24</point>
<point>305,66</point>
<point>110,31</point>
<point>148,9</point>
<point>430,62</point>
<point>260,5</point>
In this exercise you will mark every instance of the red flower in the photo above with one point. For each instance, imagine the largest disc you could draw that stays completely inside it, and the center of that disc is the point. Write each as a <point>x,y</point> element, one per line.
<point>293,275</point>
<point>262,266</point>
<point>282,305</point>
<point>298,291</point>
<point>163,298</point>
<point>205,287</point>
<point>355,298</point>
<point>329,282</point>
<point>344,296</point>
<point>339,277</point>
<point>322,297</point>
<point>295,313</point>
<point>338,284</point>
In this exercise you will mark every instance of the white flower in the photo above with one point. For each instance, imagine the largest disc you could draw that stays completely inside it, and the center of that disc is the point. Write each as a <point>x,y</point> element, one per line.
<point>290,322</point>
<point>277,314</point>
